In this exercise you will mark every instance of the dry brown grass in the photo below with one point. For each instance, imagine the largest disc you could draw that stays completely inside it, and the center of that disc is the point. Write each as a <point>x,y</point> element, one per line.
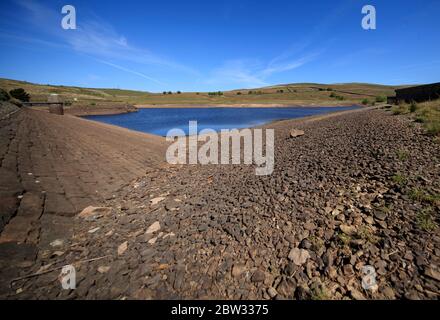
<point>427,113</point>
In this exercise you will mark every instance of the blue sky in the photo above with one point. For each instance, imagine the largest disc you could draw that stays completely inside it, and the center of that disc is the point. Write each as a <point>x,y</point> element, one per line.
<point>218,45</point>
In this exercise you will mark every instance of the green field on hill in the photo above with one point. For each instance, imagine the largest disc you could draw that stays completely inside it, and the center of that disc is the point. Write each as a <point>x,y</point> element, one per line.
<point>295,94</point>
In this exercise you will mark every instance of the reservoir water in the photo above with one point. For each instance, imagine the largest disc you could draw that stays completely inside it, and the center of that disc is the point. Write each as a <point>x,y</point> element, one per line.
<point>159,120</point>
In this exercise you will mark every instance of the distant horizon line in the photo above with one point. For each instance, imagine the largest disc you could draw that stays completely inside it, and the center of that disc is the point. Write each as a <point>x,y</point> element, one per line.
<point>238,89</point>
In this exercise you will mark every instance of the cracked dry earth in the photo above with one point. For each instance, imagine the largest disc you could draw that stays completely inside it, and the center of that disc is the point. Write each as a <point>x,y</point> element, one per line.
<point>360,188</point>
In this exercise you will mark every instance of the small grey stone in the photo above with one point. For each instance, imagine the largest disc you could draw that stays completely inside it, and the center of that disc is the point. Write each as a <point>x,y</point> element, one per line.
<point>299,256</point>
<point>380,215</point>
<point>258,276</point>
<point>272,292</point>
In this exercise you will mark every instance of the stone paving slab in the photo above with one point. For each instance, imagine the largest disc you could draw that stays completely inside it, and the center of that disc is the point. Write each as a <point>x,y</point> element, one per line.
<point>52,167</point>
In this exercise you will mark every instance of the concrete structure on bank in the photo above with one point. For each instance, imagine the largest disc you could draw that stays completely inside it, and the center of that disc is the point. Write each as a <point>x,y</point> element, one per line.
<point>418,93</point>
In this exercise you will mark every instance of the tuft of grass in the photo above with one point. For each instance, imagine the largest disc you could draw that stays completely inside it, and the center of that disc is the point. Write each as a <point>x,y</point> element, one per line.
<point>400,109</point>
<point>413,107</point>
<point>317,243</point>
<point>381,99</point>
<point>432,198</point>
<point>400,179</point>
<point>365,101</point>
<point>345,239</point>
<point>427,113</point>
<point>425,220</point>
<point>336,96</point>
<point>416,194</point>
<point>419,119</point>
<point>402,155</point>
<point>433,128</point>
<point>419,195</point>
<point>321,293</point>
<point>367,234</point>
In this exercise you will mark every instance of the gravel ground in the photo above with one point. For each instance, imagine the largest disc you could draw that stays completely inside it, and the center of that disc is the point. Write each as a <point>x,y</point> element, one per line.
<point>357,189</point>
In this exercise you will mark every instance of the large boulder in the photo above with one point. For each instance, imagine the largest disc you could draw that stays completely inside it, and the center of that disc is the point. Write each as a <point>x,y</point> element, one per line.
<point>296,133</point>
<point>95,212</point>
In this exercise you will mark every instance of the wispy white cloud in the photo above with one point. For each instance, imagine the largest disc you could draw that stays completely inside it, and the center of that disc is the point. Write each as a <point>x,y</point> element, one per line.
<point>140,74</point>
<point>31,40</point>
<point>250,73</point>
<point>279,64</point>
<point>98,39</point>
<point>240,72</point>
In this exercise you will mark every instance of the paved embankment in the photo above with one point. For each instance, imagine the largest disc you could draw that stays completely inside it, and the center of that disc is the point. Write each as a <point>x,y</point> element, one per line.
<point>51,167</point>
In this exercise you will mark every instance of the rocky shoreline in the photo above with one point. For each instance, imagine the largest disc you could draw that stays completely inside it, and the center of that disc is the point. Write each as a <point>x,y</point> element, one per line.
<point>100,108</point>
<point>328,104</point>
<point>359,188</point>
<point>118,108</point>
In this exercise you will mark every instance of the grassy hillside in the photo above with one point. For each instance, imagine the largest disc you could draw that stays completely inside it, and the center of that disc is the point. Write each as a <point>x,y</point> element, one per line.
<point>303,93</point>
<point>40,92</point>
